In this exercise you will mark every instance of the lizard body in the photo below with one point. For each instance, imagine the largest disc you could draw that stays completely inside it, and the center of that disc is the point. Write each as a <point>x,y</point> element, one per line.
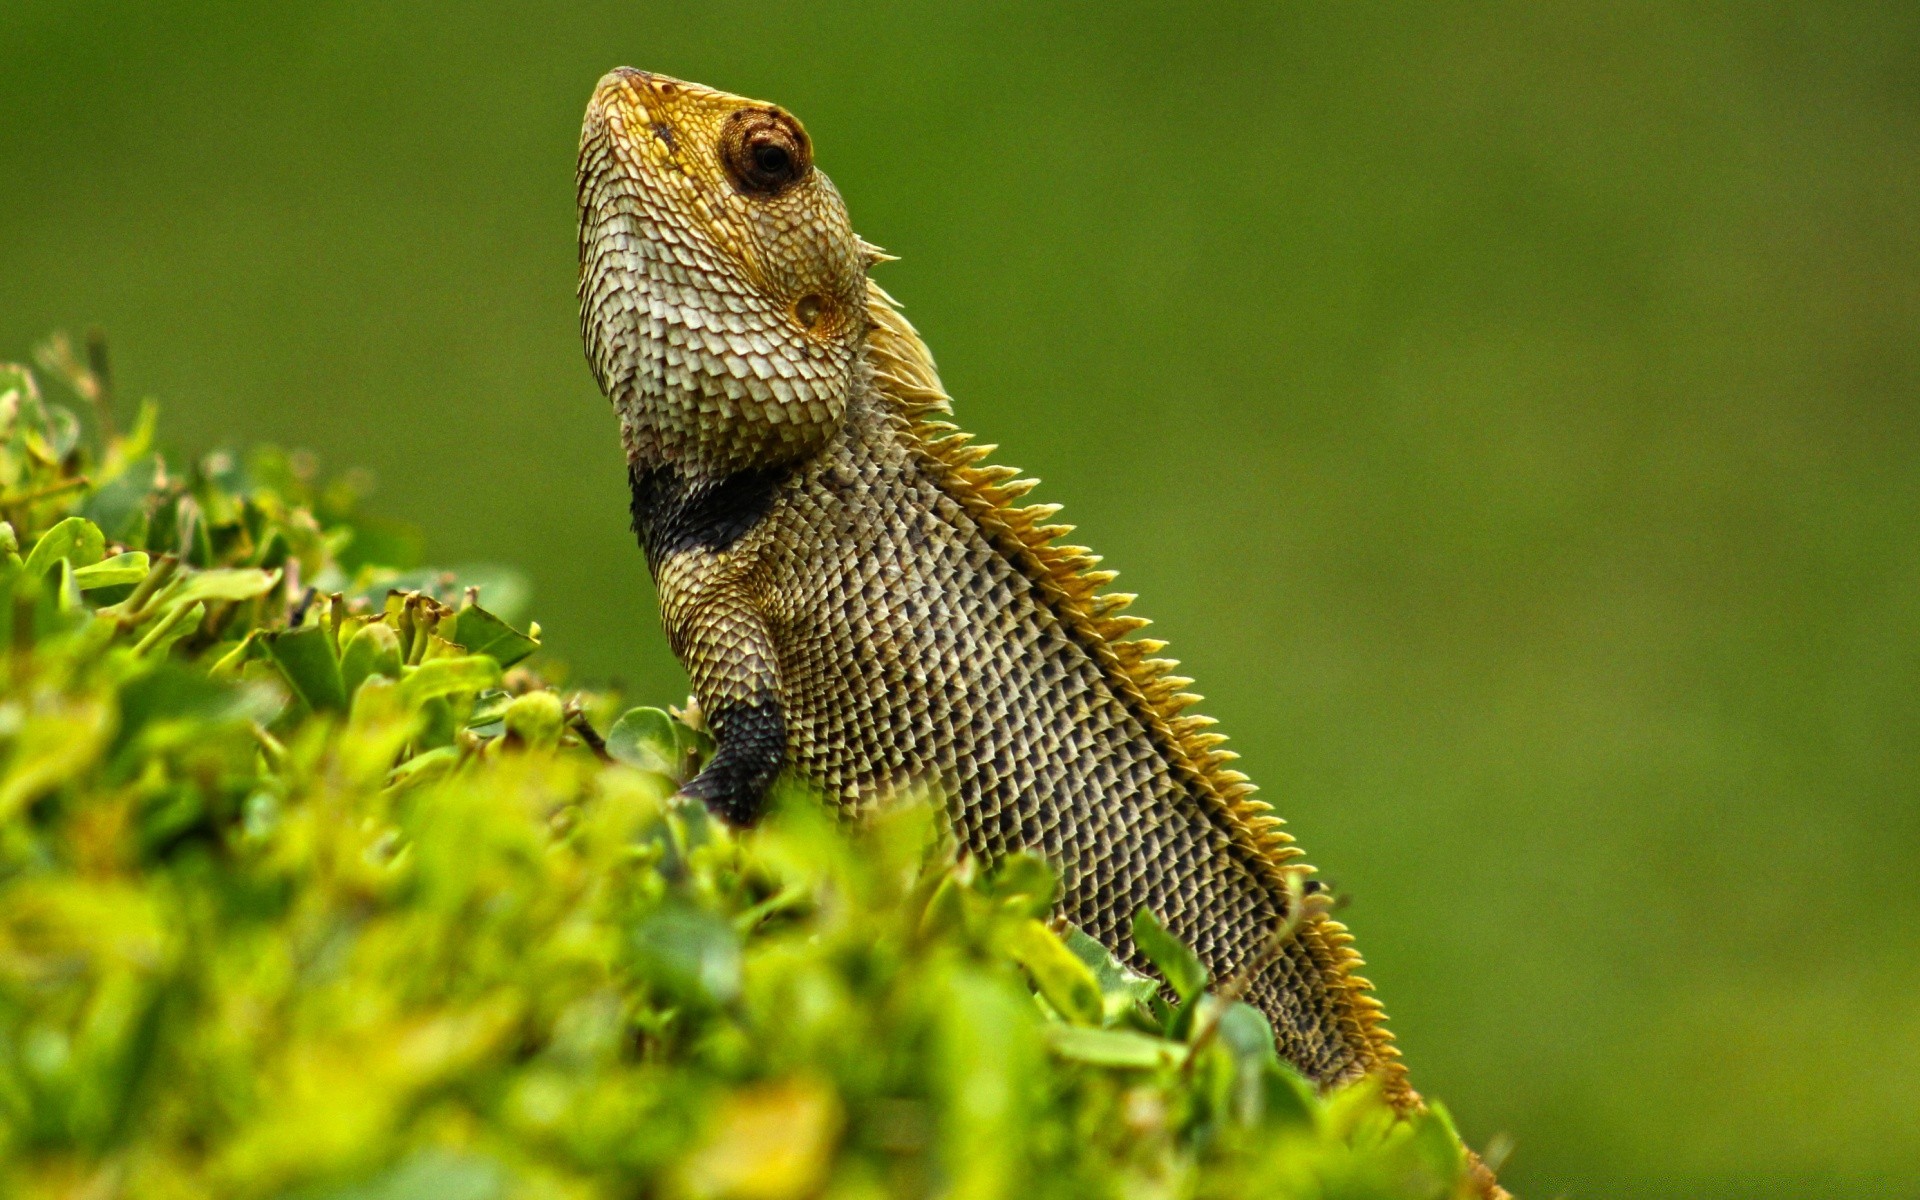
<point>860,599</point>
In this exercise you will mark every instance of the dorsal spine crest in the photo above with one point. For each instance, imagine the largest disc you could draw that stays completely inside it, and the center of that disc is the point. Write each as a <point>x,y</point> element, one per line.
<point>905,378</point>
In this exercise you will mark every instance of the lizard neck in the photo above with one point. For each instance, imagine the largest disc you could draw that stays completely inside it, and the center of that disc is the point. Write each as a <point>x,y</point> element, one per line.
<point>710,425</point>
<point>708,385</point>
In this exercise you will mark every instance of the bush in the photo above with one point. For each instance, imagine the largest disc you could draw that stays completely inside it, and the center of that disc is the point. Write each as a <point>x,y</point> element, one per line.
<point>309,889</point>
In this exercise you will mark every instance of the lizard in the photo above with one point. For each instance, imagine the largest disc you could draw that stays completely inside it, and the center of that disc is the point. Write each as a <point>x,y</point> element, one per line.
<point>860,599</point>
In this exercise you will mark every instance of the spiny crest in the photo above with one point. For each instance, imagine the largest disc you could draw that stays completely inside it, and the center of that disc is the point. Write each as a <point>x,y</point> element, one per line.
<point>904,374</point>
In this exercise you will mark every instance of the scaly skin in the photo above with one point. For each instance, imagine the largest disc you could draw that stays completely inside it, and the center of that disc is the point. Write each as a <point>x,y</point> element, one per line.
<point>859,601</point>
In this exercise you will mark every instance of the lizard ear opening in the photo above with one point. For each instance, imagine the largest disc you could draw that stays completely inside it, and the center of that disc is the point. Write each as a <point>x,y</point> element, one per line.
<point>765,152</point>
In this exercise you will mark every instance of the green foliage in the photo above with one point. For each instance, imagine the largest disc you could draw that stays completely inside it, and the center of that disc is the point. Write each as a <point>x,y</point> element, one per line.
<point>308,890</point>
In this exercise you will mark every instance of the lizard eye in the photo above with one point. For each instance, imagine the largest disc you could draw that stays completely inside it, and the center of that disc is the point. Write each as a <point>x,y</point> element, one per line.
<point>765,151</point>
<point>771,159</point>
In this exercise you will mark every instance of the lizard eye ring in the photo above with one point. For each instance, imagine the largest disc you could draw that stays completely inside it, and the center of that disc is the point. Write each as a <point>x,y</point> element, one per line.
<point>765,151</point>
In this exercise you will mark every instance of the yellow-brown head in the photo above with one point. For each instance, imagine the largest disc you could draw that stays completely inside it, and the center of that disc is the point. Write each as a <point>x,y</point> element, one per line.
<point>722,290</point>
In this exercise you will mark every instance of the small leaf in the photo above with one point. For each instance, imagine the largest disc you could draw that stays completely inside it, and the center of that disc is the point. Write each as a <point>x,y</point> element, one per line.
<point>488,718</point>
<point>692,952</point>
<point>1024,883</point>
<point>449,677</point>
<point>1113,1047</point>
<point>305,657</point>
<point>483,633</point>
<point>424,767</point>
<point>181,620</point>
<point>57,432</point>
<point>431,1174</point>
<point>130,567</point>
<point>57,741</point>
<point>1437,1143</point>
<point>175,703</point>
<point>1178,965</point>
<point>1288,1099</point>
<point>66,590</point>
<point>1246,1032</point>
<point>1066,982</point>
<point>118,504</point>
<point>16,383</point>
<point>645,738</point>
<point>76,539</point>
<point>228,583</point>
<point>1122,986</point>
<point>373,650</point>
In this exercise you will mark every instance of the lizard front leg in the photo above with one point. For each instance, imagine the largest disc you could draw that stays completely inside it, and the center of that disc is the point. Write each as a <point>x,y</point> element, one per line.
<point>715,626</point>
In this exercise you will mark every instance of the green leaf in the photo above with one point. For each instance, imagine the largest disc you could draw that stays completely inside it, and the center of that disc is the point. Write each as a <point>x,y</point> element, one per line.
<point>1288,1098</point>
<point>130,567</point>
<point>1113,1047</point>
<point>488,717</point>
<point>118,504</point>
<point>225,583</point>
<point>1025,883</point>
<point>425,767</point>
<point>76,539</point>
<point>373,650</point>
<point>692,952</point>
<point>1178,965</point>
<point>483,633</point>
<point>1066,982</point>
<point>176,702</point>
<point>502,590</point>
<point>439,677</point>
<point>179,621</point>
<point>1437,1144</point>
<point>645,738</point>
<point>305,658</point>
<point>432,1174</point>
<point>60,428</point>
<point>1122,987</point>
<point>992,1053</point>
<point>139,438</point>
<point>53,745</point>
<point>1245,1031</point>
<point>66,590</point>
<point>16,384</point>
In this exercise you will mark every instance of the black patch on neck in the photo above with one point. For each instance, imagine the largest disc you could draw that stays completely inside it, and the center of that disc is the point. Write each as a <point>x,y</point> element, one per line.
<point>672,513</point>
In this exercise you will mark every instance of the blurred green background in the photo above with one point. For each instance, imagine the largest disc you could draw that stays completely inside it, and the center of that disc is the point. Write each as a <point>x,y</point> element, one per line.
<point>1511,412</point>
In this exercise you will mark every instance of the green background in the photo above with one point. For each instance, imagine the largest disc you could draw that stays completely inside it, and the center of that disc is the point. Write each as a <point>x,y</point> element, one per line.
<point>1509,411</point>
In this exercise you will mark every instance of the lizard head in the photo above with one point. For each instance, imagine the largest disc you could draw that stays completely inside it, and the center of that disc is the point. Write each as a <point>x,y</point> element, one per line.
<point>722,290</point>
